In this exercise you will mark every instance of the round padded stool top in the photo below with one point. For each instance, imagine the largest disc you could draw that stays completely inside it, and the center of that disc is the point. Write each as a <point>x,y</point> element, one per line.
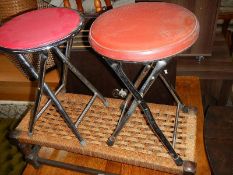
<point>39,28</point>
<point>144,31</point>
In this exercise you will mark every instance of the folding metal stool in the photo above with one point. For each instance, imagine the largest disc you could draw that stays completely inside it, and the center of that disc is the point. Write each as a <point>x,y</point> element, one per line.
<point>39,31</point>
<point>149,33</point>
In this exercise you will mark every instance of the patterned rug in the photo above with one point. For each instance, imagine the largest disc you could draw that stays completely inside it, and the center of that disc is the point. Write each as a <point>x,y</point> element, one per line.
<point>11,160</point>
<point>13,109</point>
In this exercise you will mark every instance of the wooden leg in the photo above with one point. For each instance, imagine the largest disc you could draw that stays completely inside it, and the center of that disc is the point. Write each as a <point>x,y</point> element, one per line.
<point>98,6</point>
<point>80,5</point>
<point>225,92</point>
<point>225,26</point>
<point>108,4</point>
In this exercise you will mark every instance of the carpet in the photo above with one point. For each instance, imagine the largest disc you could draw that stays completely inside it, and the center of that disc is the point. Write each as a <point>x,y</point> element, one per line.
<point>11,160</point>
<point>13,109</point>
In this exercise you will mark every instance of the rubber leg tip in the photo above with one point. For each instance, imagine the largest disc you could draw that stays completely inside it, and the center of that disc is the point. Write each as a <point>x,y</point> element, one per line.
<point>83,143</point>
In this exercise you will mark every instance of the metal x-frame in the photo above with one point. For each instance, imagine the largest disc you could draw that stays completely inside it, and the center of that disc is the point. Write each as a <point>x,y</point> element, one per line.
<point>151,71</point>
<point>44,88</point>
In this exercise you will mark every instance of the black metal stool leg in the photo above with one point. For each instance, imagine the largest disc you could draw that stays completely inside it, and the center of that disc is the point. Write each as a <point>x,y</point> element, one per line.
<point>48,103</point>
<point>80,76</point>
<point>116,66</point>
<point>180,105</point>
<point>85,81</point>
<point>171,89</point>
<point>62,81</point>
<point>173,93</point>
<point>54,99</point>
<point>142,75</point>
<point>145,87</point>
<point>42,59</point>
<point>65,68</point>
<point>126,114</point>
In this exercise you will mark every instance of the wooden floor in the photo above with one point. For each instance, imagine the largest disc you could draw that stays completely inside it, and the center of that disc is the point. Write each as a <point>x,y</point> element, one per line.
<point>189,90</point>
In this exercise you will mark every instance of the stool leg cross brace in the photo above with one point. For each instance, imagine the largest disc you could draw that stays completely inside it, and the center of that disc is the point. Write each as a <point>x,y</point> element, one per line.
<point>43,87</point>
<point>138,100</point>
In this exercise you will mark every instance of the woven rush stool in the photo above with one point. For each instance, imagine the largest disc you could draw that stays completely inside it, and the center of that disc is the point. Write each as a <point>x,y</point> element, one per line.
<point>39,31</point>
<point>149,33</point>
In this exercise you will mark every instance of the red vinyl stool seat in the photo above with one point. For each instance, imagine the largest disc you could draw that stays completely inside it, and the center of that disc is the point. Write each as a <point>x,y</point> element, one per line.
<point>39,28</point>
<point>149,33</point>
<point>40,31</point>
<point>144,32</point>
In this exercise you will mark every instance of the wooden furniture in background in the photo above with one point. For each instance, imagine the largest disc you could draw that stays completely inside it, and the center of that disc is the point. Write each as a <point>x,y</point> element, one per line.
<point>15,86</point>
<point>66,3</point>
<point>79,5</point>
<point>206,11</point>
<point>218,131</point>
<point>97,4</point>
<point>215,72</point>
<point>226,14</point>
<point>100,75</point>
<point>226,17</point>
<point>189,90</point>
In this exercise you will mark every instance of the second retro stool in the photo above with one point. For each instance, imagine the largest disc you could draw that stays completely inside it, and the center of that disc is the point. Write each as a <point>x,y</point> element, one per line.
<point>39,31</point>
<point>149,33</point>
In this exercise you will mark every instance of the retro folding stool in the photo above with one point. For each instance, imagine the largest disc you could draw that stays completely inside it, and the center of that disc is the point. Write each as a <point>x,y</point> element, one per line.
<point>149,33</point>
<point>39,31</point>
